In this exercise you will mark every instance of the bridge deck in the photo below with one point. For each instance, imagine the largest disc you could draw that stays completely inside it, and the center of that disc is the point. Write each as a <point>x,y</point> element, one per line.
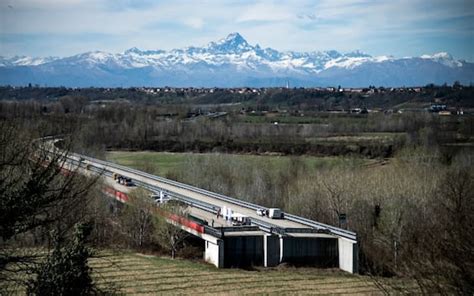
<point>297,239</point>
<point>283,223</point>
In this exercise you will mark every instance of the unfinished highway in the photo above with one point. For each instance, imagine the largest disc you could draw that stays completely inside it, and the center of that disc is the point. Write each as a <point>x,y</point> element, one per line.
<point>263,241</point>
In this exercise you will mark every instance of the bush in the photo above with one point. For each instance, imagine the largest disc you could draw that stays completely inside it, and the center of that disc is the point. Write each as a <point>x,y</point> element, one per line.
<point>65,271</point>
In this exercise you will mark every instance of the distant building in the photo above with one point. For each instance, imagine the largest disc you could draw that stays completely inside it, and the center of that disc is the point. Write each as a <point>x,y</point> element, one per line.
<point>437,108</point>
<point>444,113</point>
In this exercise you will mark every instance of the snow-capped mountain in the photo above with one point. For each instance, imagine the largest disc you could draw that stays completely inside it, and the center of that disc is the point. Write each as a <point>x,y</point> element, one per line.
<point>230,62</point>
<point>25,61</point>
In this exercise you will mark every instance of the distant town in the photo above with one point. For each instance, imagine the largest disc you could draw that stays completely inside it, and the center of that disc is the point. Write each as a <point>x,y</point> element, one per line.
<point>443,100</point>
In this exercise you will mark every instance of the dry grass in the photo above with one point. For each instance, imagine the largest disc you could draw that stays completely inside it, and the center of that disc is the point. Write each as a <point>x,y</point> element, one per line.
<point>126,273</point>
<point>135,274</point>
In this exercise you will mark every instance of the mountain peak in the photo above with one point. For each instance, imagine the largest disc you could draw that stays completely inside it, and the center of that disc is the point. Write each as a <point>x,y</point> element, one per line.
<point>133,50</point>
<point>357,54</point>
<point>234,42</point>
<point>443,58</point>
<point>439,55</point>
<point>235,37</point>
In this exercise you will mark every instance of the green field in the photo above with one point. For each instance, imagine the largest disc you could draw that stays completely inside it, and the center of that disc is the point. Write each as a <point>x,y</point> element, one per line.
<point>160,163</point>
<point>136,274</point>
<point>163,163</point>
<point>282,119</point>
<point>380,138</point>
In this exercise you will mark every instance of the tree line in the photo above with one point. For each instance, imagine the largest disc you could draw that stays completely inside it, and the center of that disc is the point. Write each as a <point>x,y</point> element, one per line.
<point>296,98</point>
<point>121,125</point>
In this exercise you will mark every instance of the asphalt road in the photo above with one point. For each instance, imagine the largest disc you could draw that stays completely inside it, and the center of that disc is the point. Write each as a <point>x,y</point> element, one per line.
<point>283,223</point>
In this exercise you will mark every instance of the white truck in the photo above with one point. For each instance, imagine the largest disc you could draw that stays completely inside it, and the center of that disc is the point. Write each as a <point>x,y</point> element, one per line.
<point>275,213</point>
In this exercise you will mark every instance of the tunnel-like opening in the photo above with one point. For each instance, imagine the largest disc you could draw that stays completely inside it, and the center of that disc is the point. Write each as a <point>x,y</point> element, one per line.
<point>305,251</point>
<point>192,247</point>
<point>243,251</point>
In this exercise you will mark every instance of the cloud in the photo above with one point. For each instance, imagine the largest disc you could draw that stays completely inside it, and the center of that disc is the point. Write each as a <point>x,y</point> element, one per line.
<point>266,12</point>
<point>378,27</point>
<point>194,22</point>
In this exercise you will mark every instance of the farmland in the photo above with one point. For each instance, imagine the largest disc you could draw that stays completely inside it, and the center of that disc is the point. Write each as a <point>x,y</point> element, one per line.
<point>136,274</point>
<point>163,163</point>
<point>125,272</point>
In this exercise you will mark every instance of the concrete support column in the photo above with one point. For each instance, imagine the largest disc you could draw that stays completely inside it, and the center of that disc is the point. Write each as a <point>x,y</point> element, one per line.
<point>281,250</point>
<point>271,253</point>
<point>348,252</point>
<point>214,253</point>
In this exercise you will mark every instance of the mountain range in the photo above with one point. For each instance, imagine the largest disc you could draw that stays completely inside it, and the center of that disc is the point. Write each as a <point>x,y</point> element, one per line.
<point>233,62</point>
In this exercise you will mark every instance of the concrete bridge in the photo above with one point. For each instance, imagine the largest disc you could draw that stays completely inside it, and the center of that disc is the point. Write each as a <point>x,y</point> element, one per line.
<point>264,242</point>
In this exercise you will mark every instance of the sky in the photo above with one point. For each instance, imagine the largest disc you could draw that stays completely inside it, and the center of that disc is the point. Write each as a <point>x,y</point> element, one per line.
<point>379,27</point>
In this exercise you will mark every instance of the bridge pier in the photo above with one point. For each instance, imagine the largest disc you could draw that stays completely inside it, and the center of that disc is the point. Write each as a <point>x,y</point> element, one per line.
<point>214,253</point>
<point>348,253</point>
<point>271,250</point>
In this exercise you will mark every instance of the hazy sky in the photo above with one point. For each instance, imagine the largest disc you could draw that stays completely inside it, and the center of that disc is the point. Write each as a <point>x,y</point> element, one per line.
<point>379,27</point>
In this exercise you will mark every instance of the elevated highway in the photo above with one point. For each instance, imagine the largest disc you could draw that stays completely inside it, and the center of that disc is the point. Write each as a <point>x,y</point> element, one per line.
<point>265,241</point>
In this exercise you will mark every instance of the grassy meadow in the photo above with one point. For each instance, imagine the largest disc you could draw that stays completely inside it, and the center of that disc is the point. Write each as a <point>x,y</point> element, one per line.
<point>164,163</point>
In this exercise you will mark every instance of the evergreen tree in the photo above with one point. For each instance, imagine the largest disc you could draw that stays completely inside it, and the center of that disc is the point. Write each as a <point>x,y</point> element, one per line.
<point>65,271</point>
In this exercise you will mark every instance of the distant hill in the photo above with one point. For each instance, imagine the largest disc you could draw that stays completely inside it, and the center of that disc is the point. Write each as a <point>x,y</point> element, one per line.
<point>233,62</point>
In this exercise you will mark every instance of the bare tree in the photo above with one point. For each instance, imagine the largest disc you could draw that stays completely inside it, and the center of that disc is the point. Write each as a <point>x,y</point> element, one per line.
<point>441,258</point>
<point>168,233</point>
<point>137,218</point>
